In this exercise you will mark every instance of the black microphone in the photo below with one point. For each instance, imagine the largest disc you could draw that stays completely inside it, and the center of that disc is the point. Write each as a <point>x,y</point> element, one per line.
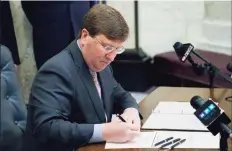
<point>196,102</point>
<point>183,50</point>
<point>211,115</point>
<point>229,67</point>
<point>214,118</point>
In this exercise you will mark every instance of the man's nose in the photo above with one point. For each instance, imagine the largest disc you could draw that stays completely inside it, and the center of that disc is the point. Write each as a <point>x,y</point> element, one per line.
<point>110,56</point>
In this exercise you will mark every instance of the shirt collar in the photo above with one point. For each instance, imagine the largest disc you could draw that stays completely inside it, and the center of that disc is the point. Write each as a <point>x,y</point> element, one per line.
<point>78,44</point>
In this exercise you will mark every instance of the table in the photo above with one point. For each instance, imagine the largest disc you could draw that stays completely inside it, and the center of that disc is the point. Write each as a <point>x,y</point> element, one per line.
<point>175,94</point>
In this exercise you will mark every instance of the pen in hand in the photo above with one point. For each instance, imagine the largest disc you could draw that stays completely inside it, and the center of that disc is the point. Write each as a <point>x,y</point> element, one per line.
<point>121,118</point>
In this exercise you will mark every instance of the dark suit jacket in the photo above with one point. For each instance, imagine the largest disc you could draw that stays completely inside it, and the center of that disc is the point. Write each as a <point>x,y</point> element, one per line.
<point>64,103</point>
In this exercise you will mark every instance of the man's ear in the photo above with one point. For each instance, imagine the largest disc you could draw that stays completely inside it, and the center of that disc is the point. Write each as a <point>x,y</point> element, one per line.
<point>84,33</point>
<point>84,36</point>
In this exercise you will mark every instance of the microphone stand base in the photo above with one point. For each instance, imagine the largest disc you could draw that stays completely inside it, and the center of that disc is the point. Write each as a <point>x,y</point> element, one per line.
<point>223,141</point>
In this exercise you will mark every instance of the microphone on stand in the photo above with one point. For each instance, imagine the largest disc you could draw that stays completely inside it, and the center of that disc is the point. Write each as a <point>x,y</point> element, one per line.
<point>184,52</point>
<point>213,118</point>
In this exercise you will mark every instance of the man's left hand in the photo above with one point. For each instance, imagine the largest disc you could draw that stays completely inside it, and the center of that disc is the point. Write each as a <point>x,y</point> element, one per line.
<point>131,115</point>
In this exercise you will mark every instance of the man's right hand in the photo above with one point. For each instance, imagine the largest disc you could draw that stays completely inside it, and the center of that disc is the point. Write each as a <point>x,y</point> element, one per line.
<point>117,131</point>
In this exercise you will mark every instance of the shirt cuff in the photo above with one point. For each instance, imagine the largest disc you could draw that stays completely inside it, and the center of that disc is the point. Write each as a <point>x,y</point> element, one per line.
<point>97,134</point>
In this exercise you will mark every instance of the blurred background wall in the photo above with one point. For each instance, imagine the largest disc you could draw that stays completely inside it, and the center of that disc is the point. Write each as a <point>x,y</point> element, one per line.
<point>206,24</point>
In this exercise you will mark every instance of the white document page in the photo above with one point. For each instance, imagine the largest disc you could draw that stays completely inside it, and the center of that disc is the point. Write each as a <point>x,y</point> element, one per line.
<point>174,108</point>
<point>193,139</point>
<point>173,116</point>
<point>144,140</point>
<point>173,122</point>
<point>148,139</point>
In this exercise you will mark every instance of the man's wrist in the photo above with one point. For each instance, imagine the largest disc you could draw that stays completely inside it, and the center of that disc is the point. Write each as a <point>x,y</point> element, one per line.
<point>97,133</point>
<point>105,131</point>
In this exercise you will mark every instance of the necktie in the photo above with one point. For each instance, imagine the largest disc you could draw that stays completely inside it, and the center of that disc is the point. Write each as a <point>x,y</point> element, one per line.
<point>95,80</point>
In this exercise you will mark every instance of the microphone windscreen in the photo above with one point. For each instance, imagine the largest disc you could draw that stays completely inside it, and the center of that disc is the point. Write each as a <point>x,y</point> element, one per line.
<point>177,45</point>
<point>196,102</point>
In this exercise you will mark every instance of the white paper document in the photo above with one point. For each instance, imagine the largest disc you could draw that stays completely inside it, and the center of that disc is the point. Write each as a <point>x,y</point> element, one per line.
<point>173,116</point>
<point>144,140</point>
<point>173,122</point>
<point>193,139</point>
<point>174,108</point>
<point>148,139</point>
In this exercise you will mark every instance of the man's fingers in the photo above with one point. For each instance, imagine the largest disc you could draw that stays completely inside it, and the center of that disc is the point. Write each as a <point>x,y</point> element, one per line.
<point>133,127</point>
<point>133,122</point>
<point>134,134</point>
<point>129,121</point>
<point>124,117</point>
<point>137,122</point>
<point>117,120</point>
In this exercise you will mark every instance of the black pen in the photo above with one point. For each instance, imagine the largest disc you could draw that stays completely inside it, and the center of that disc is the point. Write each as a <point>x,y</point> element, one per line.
<point>169,143</point>
<point>121,118</point>
<point>178,143</point>
<point>163,141</point>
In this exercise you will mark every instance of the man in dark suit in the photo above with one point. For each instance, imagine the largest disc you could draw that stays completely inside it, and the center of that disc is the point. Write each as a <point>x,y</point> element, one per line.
<point>75,94</point>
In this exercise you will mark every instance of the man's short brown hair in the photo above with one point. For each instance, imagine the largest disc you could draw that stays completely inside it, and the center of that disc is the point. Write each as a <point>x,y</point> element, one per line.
<point>103,19</point>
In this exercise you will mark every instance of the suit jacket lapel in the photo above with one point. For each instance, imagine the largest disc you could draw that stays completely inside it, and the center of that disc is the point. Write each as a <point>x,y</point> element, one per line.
<point>90,86</point>
<point>87,80</point>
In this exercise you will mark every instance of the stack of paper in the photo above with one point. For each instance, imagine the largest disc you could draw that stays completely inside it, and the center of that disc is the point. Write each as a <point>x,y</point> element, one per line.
<point>173,116</point>
<point>148,139</point>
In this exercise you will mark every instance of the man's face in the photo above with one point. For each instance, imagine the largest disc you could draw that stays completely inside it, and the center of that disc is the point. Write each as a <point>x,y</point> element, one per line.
<point>98,51</point>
